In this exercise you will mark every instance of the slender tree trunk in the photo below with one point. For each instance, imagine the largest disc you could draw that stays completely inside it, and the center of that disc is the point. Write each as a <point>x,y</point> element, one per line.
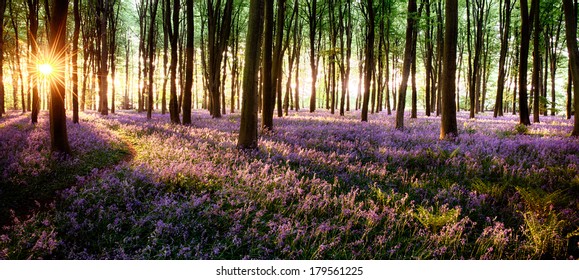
<point>571,33</point>
<point>313,23</point>
<point>569,106</point>
<point>410,25</point>
<point>189,64</point>
<point>103,69</point>
<point>18,69</point>
<point>173,37</point>
<point>369,53</point>
<point>2,10</point>
<point>75,61</point>
<point>536,80</point>
<point>505,22</point>
<point>523,63</point>
<point>268,85</point>
<point>33,17</point>
<point>151,56</point>
<point>219,28</point>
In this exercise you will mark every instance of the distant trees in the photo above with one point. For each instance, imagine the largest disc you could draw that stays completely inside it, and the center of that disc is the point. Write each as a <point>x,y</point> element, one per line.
<point>306,59</point>
<point>219,22</point>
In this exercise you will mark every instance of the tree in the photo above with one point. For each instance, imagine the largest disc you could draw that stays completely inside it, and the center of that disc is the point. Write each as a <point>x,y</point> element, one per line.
<point>103,16</point>
<point>219,21</point>
<point>248,127</point>
<point>2,10</point>
<point>173,30</point>
<point>189,64</point>
<point>536,78</point>
<point>410,25</point>
<point>33,18</point>
<point>313,21</point>
<point>75,61</point>
<point>571,33</point>
<point>448,126</point>
<point>17,57</point>
<point>267,81</point>
<point>526,22</point>
<point>57,40</point>
<point>150,68</point>
<point>505,10</point>
<point>369,53</point>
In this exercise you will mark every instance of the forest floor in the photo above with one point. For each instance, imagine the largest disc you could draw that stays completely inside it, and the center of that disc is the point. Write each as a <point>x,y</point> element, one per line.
<point>320,186</point>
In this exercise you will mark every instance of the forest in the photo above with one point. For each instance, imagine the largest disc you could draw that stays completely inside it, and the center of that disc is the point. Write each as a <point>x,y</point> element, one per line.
<point>289,129</point>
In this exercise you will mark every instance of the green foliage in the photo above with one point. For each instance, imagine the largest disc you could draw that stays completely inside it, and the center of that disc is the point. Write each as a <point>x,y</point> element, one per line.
<point>435,220</point>
<point>521,129</point>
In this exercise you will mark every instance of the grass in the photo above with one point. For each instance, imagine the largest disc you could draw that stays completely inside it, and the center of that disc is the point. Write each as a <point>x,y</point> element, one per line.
<point>190,194</point>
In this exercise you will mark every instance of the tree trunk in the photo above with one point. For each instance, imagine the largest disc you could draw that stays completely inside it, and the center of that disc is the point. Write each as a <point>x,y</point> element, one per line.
<point>268,85</point>
<point>505,22</point>
<point>571,33</point>
<point>103,69</point>
<point>314,57</point>
<point>189,64</point>
<point>173,37</point>
<point>410,25</point>
<point>369,54</point>
<point>2,10</point>
<point>33,17</point>
<point>75,61</point>
<point>448,126</point>
<point>523,63</point>
<point>248,127</point>
<point>536,80</point>
<point>219,27</point>
<point>150,61</point>
<point>57,40</point>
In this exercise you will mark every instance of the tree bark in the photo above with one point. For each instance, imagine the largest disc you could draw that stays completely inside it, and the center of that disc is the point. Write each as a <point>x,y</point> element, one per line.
<point>505,22</point>
<point>173,39</point>
<point>410,25</point>
<point>219,27</point>
<point>267,81</point>
<point>75,61</point>
<point>536,80</point>
<point>448,126</point>
<point>248,127</point>
<point>369,53</point>
<point>189,64</point>
<point>2,10</point>
<point>57,40</point>
<point>150,61</point>
<point>571,33</point>
<point>523,63</point>
<point>33,17</point>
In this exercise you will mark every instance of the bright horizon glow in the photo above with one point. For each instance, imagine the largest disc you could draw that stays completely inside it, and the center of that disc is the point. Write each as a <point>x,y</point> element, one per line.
<point>45,68</point>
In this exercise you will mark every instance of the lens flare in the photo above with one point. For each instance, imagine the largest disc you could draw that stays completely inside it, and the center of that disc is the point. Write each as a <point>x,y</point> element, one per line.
<point>45,69</point>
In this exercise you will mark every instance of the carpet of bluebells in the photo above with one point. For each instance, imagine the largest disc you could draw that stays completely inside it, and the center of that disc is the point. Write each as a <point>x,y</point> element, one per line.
<point>319,187</point>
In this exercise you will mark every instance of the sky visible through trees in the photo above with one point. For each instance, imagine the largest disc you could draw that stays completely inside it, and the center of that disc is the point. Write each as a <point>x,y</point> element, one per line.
<point>327,90</point>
